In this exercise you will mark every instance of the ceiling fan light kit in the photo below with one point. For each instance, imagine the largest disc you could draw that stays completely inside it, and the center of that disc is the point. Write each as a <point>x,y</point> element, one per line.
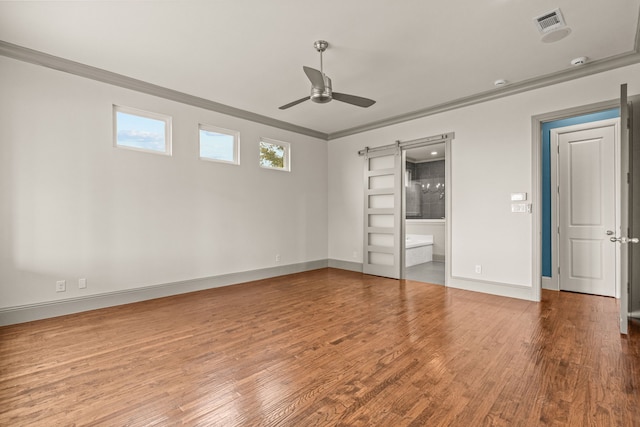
<point>321,89</point>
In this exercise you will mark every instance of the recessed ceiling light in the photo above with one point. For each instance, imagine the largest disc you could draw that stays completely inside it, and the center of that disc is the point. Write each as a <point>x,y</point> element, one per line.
<point>434,153</point>
<point>579,61</point>
<point>500,83</point>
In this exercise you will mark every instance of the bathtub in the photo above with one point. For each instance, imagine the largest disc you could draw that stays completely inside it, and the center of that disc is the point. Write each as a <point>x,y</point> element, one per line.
<point>418,249</point>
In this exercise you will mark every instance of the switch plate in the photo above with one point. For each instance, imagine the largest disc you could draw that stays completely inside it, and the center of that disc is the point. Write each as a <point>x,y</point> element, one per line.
<point>519,208</point>
<point>518,197</point>
<point>82,283</point>
<point>61,286</point>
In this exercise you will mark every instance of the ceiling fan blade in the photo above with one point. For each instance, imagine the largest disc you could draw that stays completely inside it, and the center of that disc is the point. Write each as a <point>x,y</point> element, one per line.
<point>291,104</point>
<point>352,99</point>
<point>317,80</point>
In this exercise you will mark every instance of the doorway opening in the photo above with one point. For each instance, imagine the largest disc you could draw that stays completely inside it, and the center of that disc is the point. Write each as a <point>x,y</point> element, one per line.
<point>425,201</point>
<point>549,185</point>
<point>385,177</point>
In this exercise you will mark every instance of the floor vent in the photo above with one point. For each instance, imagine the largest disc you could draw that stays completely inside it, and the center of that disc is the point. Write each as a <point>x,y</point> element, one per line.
<point>550,21</point>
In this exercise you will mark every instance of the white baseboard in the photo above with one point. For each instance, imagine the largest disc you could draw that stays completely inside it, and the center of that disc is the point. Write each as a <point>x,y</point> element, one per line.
<point>346,265</point>
<point>487,287</point>
<point>28,313</point>
<point>549,283</point>
<point>494,288</point>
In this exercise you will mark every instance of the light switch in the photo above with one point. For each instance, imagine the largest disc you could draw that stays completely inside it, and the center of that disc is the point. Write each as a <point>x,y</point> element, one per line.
<point>519,208</point>
<point>518,197</point>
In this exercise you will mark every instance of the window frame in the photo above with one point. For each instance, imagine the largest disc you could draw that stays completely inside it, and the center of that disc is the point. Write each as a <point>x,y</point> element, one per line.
<point>286,156</point>
<point>168,145</point>
<point>236,143</point>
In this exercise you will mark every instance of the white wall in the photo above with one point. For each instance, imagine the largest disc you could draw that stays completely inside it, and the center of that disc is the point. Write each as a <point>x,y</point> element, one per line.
<point>73,206</point>
<point>430,228</point>
<point>491,157</point>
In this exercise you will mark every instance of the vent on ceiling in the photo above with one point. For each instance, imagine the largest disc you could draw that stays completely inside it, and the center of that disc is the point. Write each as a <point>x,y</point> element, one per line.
<point>550,21</point>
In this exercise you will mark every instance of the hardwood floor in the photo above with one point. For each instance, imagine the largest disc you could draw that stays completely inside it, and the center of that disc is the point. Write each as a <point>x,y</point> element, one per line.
<point>322,348</point>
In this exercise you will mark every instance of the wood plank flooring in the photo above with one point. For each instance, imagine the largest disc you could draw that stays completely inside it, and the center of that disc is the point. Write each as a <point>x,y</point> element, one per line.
<point>324,348</point>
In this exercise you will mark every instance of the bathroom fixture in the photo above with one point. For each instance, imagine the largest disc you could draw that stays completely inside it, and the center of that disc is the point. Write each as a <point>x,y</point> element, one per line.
<point>418,249</point>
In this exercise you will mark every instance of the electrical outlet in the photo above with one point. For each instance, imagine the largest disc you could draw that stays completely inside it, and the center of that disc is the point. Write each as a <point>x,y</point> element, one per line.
<point>355,254</point>
<point>61,286</point>
<point>82,283</point>
<point>478,269</point>
<point>277,257</point>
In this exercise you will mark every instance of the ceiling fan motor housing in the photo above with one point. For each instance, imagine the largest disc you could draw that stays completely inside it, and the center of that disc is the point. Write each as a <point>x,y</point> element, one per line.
<point>322,95</point>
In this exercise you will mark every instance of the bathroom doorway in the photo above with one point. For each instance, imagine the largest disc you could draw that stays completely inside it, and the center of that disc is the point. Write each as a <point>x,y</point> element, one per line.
<point>425,212</point>
<point>384,215</point>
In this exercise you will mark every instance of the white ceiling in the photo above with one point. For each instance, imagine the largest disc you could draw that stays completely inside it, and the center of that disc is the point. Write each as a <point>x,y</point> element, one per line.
<point>408,55</point>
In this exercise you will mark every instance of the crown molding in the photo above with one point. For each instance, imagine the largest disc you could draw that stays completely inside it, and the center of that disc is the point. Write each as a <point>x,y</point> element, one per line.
<point>524,86</point>
<point>61,64</point>
<point>65,65</point>
<point>588,69</point>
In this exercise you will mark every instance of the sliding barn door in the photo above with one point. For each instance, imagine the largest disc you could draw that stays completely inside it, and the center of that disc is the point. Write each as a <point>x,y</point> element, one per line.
<point>382,212</point>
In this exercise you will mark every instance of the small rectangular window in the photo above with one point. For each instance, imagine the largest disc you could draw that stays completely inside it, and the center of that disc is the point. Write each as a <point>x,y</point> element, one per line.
<point>219,145</point>
<point>141,130</point>
<point>275,154</point>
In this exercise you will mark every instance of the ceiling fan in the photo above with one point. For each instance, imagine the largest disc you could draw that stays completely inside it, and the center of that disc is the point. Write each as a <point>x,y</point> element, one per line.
<point>321,91</point>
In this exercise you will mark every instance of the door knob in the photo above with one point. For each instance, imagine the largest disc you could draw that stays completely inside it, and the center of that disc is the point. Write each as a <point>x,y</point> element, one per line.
<point>625,239</point>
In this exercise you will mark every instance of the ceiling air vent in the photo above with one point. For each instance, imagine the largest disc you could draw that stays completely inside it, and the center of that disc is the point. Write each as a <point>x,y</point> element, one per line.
<point>550,21</point>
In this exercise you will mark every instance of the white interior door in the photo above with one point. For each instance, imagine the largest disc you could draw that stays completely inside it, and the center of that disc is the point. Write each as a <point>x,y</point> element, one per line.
<point>382,212</point>
<point>587,207</point>
<point>634,206</point>
<point>624,214</point>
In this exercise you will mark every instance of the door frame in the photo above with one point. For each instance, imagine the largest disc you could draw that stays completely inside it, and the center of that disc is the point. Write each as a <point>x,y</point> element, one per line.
<point>555,205</point>
<point>536,173</point>
<point>536,181</point>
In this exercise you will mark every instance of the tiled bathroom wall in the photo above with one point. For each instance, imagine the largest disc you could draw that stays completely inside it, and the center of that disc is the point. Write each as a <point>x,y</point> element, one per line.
<point>425,193</point>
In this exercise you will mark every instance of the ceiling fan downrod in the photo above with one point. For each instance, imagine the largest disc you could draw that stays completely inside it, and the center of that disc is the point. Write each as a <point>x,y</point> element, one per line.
<point>322,95</point>
<point>321,46</point>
